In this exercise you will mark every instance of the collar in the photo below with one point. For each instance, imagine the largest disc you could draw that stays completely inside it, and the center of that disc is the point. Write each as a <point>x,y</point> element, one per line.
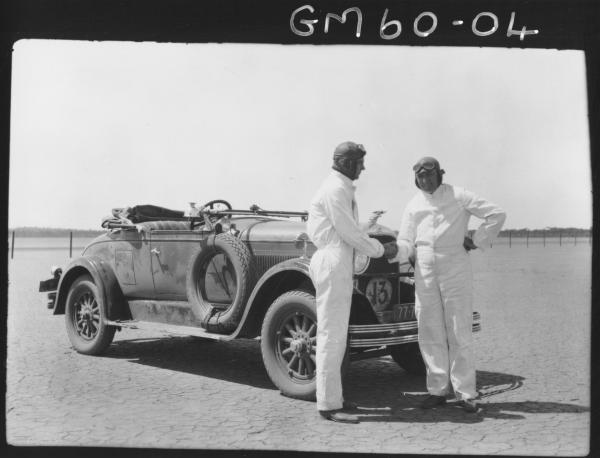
<point>344,179</point>
<point>437,193</point>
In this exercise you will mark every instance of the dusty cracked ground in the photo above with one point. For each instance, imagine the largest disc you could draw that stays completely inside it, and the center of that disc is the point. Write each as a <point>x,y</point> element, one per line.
<point>149,390</point>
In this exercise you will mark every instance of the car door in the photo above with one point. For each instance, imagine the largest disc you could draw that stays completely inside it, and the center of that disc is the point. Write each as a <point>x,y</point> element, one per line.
<point>132,263</point>
<point>170,253</point>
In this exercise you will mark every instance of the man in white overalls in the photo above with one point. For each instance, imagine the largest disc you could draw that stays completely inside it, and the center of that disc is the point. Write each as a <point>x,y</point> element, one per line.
<point>333,228</point>
<point>434,232</point>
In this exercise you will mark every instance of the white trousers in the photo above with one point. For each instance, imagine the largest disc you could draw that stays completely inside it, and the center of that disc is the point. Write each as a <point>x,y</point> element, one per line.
<point>331,272</point>
<point>444,309</point>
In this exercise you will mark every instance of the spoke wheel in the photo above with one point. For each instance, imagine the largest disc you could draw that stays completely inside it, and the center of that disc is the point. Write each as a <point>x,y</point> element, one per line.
<point>85,318</point>
<point>288,344</point>
<point>296,346</point>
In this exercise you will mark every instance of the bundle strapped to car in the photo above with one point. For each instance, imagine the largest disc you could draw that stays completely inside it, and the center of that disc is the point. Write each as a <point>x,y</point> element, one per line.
<point>130,216</point>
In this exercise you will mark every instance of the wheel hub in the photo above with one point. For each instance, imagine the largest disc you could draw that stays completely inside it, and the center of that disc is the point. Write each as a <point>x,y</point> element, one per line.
<point>86,311</point>
<point>301,344</point>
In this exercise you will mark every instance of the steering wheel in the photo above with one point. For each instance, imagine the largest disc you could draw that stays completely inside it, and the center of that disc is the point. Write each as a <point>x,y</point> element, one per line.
<point>218,204</point>
<point>214,203</point>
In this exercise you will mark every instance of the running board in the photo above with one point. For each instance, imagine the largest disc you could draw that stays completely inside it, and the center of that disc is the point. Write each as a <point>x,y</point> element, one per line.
<point>389,331</point>
<point>168,329</point>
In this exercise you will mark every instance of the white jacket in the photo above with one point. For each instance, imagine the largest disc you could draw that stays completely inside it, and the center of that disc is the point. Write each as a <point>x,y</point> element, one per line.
<point>440,220</point>
<point>333,218</point>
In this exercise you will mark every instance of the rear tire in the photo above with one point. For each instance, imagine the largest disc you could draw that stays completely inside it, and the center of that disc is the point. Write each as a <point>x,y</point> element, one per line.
<point>408,356</point>
<point>85,318</point>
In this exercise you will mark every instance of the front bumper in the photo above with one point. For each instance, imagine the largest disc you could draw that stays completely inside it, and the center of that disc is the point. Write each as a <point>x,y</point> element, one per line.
<point>377,335</point>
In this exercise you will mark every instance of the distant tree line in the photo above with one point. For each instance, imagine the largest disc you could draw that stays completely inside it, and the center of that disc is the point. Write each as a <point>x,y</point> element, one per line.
<point>547,232</point>
<point>54,232</point>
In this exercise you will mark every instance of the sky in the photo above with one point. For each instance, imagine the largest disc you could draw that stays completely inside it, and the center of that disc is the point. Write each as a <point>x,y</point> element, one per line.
<point>98,125</point>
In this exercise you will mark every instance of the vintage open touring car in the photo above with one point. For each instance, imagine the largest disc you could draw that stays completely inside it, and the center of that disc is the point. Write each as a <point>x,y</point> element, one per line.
<point>222,274</point>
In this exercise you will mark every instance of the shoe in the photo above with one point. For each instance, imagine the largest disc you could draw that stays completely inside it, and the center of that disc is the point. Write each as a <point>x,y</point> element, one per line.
<point>432,401</point>
<point>469,405</point>
<point>339,416</point>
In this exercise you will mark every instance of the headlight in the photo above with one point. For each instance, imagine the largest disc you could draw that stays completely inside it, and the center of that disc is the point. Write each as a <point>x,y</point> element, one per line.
<point>361,263</point>
<point>55,271</point>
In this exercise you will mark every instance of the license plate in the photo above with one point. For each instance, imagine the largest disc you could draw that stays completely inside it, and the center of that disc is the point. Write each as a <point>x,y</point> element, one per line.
<point>398,313</point>
<point>404,312</point>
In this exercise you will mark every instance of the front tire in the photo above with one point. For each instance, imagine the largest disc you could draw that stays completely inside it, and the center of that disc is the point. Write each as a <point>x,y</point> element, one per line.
<point>85,318</point>
<point>288,344</point>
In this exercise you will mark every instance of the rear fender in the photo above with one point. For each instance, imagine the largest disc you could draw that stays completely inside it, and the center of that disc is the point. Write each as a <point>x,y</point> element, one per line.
<point>285,276</point>
<point>111,297</point>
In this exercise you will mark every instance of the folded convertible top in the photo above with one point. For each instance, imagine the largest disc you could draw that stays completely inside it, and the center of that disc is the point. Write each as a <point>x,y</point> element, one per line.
<point>141,214</point>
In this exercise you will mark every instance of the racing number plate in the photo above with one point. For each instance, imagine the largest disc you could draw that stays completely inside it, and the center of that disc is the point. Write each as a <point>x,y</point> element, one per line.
<point>379,293</point>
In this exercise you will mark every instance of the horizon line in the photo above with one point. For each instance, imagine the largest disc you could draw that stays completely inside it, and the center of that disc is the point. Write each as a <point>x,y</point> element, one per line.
<point>102,229</point>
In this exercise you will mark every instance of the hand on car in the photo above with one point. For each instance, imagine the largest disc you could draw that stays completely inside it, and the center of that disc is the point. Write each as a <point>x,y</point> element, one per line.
<point>390,250</point>
<point>468,244</point>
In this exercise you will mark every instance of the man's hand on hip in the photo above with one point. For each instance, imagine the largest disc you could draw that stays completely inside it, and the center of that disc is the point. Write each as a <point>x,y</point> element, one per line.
<point>468,244</point>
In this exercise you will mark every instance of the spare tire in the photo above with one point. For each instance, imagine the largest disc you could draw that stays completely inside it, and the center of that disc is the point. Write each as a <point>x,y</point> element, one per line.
<point>220,278</point>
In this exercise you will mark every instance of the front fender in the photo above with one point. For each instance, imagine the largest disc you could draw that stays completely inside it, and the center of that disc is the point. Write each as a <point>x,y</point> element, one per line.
<point>282,277</point>
<point>300,265</point>
<point>110,295</point>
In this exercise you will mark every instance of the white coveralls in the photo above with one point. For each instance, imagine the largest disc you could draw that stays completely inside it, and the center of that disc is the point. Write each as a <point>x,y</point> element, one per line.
<point>333,228</point>
<point>435,225</point>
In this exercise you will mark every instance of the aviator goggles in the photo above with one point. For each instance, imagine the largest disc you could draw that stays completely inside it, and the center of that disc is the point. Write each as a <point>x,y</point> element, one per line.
<point>427,165</point>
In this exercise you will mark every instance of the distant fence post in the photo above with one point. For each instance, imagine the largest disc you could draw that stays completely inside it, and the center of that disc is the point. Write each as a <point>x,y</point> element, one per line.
<point>560,238</point>
<point>71,244</point>
<point>12,246</point>
<point>509,239</point>
<point>544,233</point>
<point>527,232</point>
<point>575,240</point>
